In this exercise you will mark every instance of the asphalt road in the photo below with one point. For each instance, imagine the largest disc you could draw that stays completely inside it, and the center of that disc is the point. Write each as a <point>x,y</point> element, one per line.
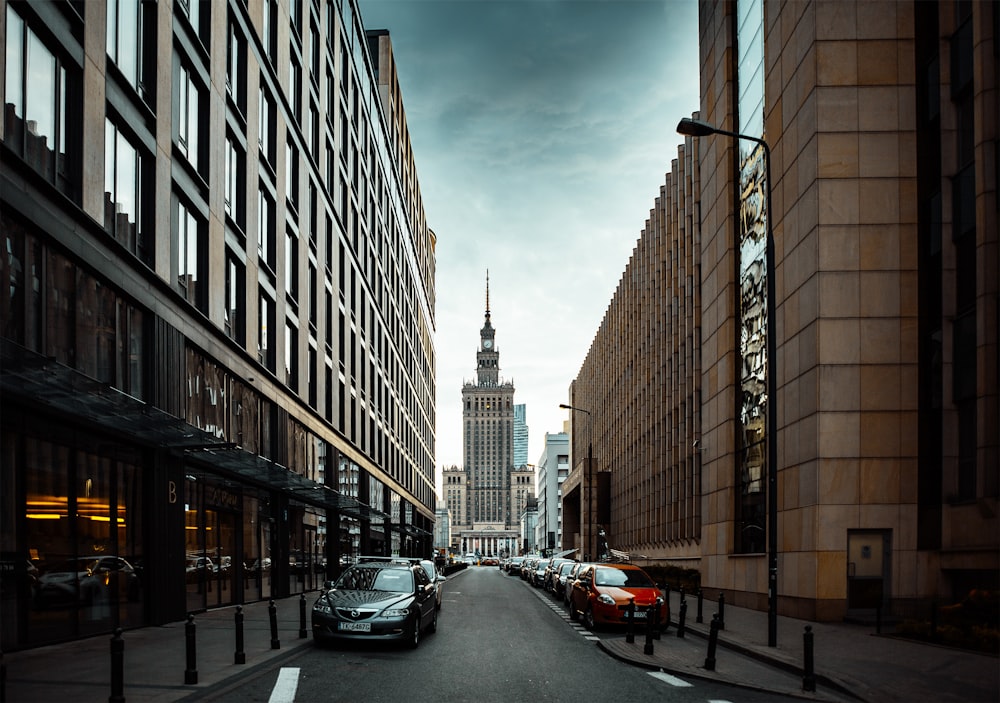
<point>498,639</point>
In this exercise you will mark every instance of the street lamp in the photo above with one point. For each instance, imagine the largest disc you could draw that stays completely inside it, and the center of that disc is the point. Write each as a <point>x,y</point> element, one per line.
<point>589,521</point>
<point>698,128</point>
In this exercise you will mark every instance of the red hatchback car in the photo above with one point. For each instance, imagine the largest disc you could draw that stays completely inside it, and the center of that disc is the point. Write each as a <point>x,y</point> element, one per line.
<point>601,593</point>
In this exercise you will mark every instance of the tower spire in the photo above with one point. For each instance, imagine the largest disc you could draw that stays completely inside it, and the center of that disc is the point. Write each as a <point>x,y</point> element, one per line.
<point>487,292</point>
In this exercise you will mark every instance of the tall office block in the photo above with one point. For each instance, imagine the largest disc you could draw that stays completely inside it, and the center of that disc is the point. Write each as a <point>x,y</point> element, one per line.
<point>882,123</point>
<point>217,308</point>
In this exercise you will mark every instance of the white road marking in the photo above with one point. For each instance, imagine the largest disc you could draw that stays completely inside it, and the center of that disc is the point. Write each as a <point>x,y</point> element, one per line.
<point>672,680</point>
<point>718,700</point>
<point>286,685</point>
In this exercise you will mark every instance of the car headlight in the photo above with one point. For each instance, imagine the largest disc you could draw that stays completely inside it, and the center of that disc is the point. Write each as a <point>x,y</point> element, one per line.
<point>322,605</point>
<point>606,599</point>
<point>659,600</point>
<point>395,613</point>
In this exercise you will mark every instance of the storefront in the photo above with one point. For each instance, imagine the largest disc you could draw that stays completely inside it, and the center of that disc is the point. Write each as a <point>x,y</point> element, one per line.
<point>119,515</point>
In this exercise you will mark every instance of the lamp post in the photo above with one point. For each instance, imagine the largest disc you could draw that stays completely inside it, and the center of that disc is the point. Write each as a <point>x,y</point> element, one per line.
<point>698,128</point>
<point>589,517</point>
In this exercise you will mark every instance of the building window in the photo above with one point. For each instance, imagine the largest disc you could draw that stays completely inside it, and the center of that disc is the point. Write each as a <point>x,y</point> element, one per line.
<point>291,356</point>
<point>292,175</point>
<point>295,88</point>
<point>188,118</point>
<point>124,184</point>
<point>42,107</point>
<point>236,68</point>
<point>130,41</point>
<point>265,228</point>
<point>266,127</point>
<point>235,320</point>
<point>235,194</point>
<point>265,335</point>
<point>197,14</point>
<point>191,259</point>
<point>269,35</point>
<point>292,265</point>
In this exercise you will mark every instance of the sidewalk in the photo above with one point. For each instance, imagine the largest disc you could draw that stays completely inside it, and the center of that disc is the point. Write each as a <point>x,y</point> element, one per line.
<point>851,662</point>
<point>155,658</point>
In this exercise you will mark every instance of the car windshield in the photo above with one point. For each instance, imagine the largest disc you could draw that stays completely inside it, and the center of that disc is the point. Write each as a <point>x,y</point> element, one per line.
<point>630,578</point>
<point>368,579</point>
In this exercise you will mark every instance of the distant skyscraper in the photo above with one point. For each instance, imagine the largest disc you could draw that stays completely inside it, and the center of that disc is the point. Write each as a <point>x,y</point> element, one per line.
<point>487,521</point>
<point>520,435</point>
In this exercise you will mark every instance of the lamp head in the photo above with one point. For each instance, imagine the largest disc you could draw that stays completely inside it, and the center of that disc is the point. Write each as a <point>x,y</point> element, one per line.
<point>695,128</point>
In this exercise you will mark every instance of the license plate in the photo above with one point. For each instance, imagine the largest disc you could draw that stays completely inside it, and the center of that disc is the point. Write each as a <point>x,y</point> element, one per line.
<point>355,626</point>
<point>639,614</point>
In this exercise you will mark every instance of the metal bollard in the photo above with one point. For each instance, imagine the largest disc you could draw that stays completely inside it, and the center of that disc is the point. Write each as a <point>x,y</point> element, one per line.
<point>878,619</point>
<point>654,613</point>
<point>934,617</point>
<point>302,617</point>
<point>191,672</point>
<point>681,617</point>
<point>272,612</point>
<point>240,657</point>
<point>630,622</point>
<point>648,647</point>
<point>3,679</point>
<point>681,591</point>
<point>722,610</point>
<point>117,668</point>
<point>698,617</point>
<point>808,673</point>
<point>713,640</point>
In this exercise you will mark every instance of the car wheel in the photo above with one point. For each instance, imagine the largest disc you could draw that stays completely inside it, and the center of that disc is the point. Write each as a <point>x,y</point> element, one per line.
<point>588,619</point>
<point>415,632</point>
<point>434,621</point>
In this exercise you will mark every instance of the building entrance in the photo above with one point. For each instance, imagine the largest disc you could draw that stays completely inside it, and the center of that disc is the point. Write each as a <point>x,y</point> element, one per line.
<point>868,559</point>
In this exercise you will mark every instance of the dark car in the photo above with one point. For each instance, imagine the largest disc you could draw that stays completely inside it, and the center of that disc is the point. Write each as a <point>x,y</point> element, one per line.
<point>385,601</point>
<point>559,579</point>
<point>551,567</point>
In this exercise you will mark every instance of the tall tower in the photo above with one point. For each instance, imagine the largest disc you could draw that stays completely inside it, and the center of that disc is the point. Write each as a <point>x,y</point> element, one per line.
<point>488,430</point>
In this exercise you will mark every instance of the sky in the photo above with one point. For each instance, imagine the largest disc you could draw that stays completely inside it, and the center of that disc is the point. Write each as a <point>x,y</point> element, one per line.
<point>542,132</point>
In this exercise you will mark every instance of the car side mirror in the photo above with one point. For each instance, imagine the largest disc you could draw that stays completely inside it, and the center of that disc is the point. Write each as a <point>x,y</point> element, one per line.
<point>328,585</point>
<point>442,578</point>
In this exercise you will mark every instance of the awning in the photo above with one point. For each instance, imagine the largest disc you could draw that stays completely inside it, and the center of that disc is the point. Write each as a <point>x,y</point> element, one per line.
<point>45,384</point>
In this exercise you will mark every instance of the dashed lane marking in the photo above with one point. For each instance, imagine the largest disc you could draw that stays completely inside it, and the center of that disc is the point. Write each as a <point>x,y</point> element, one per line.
<point>667,678</point>
<point>286,685</point>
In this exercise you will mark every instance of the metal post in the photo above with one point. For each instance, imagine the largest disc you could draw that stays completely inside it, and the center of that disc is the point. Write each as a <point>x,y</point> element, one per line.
<point>240,657</point>
<point>680,619</point>
<point>808,673</point>
<point>698,617</point>
<point>302,617</point>
<point>3,679</point>
<point>655,615</point>
<point>722,610</point>
<point>191,672</point>
<point>272,612</point>
<point>666,599</point>
<point>713,640</point>
<point>630,622</point>
<point>878,619</point>
<point>117,668</point>
<point>648,647</point>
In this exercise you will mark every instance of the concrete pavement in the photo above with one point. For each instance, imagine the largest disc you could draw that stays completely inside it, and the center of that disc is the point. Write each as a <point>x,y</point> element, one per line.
<point>851,661</point>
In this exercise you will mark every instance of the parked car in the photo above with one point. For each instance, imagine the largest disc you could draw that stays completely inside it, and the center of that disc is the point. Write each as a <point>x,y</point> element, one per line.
<point>559,578</point>
<point>537,576</point>
<point>601,594</point>
<point>528,566</point>
<point>376,600</point>
<point>436,577</point>
<point>513,566</point>
<point>570,578</point>
<point>551,567</point>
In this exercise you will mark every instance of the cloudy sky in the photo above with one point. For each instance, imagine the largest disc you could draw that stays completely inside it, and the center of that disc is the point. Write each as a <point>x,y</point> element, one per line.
<point>542,132</point>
